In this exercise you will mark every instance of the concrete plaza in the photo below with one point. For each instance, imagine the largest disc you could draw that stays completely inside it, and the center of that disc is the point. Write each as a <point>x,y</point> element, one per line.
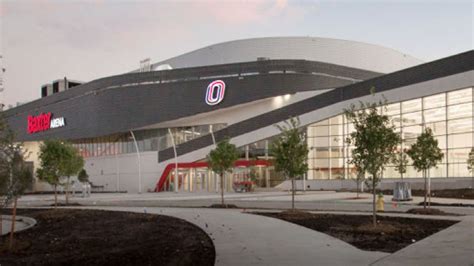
<point>242,238</point>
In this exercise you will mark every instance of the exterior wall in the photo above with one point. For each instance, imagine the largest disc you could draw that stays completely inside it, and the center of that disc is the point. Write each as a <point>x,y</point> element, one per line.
<point>240,112</point>
<point>449,115</point>
<point>121,172</point>
<point>449,83</point>
<point>340,52</point>
<point>136,100</point>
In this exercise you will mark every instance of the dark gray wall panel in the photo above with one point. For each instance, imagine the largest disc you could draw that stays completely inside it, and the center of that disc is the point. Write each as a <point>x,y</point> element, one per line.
<point>93,110</point>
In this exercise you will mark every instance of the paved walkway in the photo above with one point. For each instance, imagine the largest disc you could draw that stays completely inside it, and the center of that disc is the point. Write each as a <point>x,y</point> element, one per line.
<point>247,239</point>
<point>311,200</point>
<point>452,246</point>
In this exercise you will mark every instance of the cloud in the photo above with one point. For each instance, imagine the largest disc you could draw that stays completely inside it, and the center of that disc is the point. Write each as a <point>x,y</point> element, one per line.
<point>234,13</point>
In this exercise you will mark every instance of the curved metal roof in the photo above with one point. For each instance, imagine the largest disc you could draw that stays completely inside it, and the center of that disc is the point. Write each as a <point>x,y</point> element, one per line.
<point>340,52</point>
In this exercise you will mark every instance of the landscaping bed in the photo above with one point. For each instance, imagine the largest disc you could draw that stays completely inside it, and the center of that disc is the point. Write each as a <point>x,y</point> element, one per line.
<point>94,237</point>
<point>390,234</point>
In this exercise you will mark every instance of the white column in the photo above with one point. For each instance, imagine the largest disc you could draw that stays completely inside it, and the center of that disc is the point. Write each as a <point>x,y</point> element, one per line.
<point>139,166</point>
<point>176,183</point>
<point>117,169</point>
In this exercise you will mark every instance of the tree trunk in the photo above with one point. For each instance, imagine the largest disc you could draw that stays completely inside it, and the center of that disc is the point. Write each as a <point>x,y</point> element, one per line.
<point>374,211</point>
<point>426,190</point>
<point>429,188</point>
<point>55,195</point>
<point>67,191</point>
<point>358,186</point>
<point>12,232</point>
<point>292,194</point>
<point>222,189</point>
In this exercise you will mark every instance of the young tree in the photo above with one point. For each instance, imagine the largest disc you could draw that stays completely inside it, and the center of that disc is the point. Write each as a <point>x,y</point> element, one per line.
<point>83,177</point>
<point>21,180</point>
<point>425,154</point>
<point>290,153</point>
<point>400,160</point>
<point>470,161</point>
<point>15,176</point>
<point>374,139</point>
<point>359,178</point>
<point>221,160</point>
<point>7,151</point>
<point>59,160</point>
<point>71,165</point>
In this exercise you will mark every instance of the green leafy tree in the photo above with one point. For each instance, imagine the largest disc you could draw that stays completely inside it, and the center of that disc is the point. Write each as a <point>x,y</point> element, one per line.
<point>83,177</point>
<point>374,140</point>
<point>15,176</point>
<point>359,178</point>
<point>470,161</point>
<point>72,164</point>
<point>400,160</point>
<point>59,161</point>
<point>221,160</point>
<point>290,153</point>
<point>425,154</point>
<point>21,180</point>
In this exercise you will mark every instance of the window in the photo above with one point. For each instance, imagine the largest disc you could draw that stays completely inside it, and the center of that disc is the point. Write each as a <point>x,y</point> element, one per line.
<point>411,106</point>
<point>460,96</point>
<point>434,101</point>
<point>460,110</point>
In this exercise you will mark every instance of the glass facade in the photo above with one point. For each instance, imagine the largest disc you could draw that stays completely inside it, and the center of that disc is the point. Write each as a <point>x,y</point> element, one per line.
<point>449,115</point>
<point>147,140</point>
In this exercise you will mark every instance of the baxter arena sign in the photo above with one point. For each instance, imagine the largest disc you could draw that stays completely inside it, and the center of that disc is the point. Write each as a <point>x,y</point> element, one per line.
<point>44,122</point>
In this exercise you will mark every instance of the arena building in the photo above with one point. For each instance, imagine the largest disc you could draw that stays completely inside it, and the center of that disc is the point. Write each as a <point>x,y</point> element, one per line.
<point>151,129</point>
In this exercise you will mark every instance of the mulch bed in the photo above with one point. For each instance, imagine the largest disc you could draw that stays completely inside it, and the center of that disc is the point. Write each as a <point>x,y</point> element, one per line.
<point>94,237</point>
<point>390,234</point>
<point>447,204</point>
<point>463,193</point>
<point>428,211</point>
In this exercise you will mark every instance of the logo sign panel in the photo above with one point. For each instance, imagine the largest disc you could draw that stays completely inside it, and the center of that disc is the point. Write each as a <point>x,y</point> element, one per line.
<point>215,92</point>
<point>44,122</point>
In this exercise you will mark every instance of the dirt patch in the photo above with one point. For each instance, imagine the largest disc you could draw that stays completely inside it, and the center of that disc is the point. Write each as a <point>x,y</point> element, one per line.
<point>447,204</point>
<point>94,237</point>
<point>390,234</point>
<point>428,211</point>
<point>65,205</point>
<point>464,193</point>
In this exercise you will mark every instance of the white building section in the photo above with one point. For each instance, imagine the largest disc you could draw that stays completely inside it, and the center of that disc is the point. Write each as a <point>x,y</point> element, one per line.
<point>340,52</point>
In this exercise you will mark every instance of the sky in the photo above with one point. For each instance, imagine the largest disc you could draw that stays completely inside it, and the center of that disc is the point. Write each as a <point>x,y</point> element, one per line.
<point>44,40</point>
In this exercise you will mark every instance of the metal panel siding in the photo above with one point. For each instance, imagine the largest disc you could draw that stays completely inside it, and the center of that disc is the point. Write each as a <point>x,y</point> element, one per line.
<point>445,67</point>
<point>101,112</point>
<point>341,52</point>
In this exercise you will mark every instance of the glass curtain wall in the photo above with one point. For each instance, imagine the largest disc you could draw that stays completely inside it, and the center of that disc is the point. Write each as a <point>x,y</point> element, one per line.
<point>147,140</point>
<point>449,115</point>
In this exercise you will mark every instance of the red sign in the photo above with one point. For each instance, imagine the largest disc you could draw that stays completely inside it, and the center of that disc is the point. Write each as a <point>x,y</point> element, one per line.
<point>39,123</point>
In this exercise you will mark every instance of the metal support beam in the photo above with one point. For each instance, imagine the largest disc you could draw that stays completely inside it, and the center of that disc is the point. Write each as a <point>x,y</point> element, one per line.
<point>176,183</point>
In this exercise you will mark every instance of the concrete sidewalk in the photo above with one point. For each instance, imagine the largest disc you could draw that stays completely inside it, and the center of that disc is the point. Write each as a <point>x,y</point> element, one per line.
<point>311,200</point>
<point>452,246</point>
<point>247,239</point>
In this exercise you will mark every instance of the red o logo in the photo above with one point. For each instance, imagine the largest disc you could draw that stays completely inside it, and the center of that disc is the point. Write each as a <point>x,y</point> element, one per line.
<point>215,92</point>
